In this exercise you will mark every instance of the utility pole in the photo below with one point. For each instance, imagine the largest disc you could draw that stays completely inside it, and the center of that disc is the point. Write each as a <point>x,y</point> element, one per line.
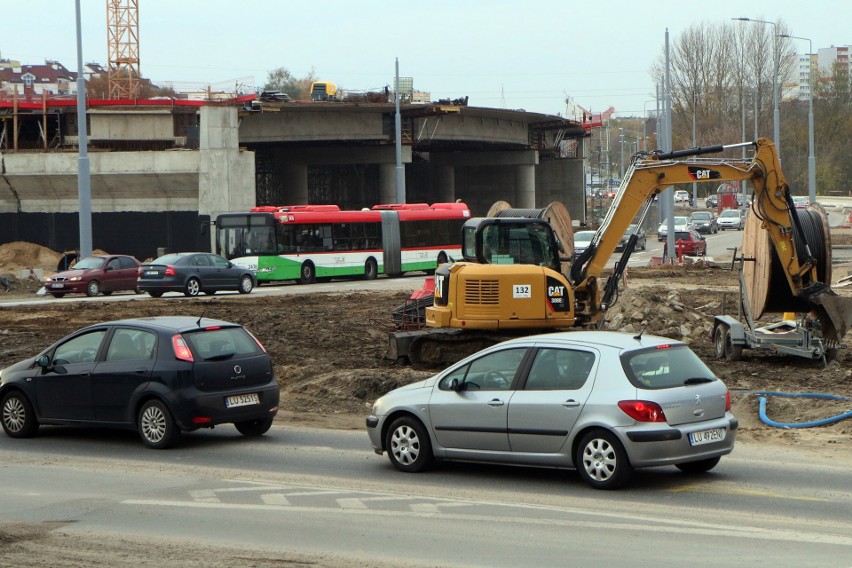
<point>400,169</point>
<point>84,182</point>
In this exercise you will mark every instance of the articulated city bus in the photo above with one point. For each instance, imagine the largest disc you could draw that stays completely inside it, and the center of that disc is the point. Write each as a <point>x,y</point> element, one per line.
<point>310,242</point>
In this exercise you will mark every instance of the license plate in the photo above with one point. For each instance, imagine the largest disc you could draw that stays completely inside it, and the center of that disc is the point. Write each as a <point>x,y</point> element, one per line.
<point>57,285</point>
<point>707,436</point>
<point>150,273</point>
<point>242,400</point>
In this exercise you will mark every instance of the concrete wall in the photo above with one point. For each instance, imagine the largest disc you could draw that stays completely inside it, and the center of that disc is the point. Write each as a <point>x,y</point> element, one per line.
<point>120,181</point>
<point>139,125</point>
<point>330,124</point>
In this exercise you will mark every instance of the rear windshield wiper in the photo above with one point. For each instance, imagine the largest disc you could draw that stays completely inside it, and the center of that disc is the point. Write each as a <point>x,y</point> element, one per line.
<point>698,380</point>
<point>220,357</point>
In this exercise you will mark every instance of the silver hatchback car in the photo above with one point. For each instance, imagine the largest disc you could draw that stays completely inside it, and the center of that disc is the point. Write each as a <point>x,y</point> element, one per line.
<point>600,402</point>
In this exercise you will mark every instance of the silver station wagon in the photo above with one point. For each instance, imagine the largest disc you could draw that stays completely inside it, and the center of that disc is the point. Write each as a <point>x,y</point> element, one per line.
<point>600,402</point>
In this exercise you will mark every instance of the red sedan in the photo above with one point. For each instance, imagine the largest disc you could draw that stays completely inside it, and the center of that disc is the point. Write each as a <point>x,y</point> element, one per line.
<point>690,243</point>
<point>94,275</point>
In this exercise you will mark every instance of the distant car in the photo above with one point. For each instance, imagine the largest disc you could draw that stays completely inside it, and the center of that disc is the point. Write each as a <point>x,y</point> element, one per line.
<point>641,238</point>
<point>680,224</point>
<point>193,273</point>
<point>711,202</point>
<point>704,222</point>
<point>93,275</point>
<point>160,376</point>
<point>582,240</point>
<point>801,202</point>
<point>600,402</point>
<point>681,196</point>
<point>690,243</point>
<point>731,219</point>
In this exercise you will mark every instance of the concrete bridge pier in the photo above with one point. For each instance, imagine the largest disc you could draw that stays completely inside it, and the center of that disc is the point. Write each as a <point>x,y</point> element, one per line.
<point>525,184</point>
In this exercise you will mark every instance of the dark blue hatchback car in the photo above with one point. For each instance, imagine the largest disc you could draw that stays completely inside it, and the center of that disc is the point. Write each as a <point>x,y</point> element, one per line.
<point>160,376</point>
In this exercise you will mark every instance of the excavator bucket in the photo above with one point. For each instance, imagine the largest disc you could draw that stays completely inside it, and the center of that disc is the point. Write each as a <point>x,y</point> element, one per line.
<point>834,313</point>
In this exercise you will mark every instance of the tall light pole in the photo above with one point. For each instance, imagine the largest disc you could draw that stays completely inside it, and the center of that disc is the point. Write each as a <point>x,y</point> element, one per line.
<point>84,181</point>
<point>694,145</point>
<point>621,162</point>
<point>811,157</point>
<point>776,118</point>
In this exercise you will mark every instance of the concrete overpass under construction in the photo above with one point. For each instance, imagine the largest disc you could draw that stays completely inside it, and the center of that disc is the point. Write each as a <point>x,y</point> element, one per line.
<point>162,168</point>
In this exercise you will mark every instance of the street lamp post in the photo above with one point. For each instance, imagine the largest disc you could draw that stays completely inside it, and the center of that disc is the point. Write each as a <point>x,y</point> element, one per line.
<point>621,162</point>
<point>776,117</point>
<point>811,157</point>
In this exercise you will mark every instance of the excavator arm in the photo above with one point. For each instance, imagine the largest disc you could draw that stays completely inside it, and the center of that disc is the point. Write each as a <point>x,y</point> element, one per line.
<point>650,174</point>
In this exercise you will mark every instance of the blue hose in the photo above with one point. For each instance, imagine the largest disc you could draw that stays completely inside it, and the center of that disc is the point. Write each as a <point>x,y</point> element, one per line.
<point>831,420</point>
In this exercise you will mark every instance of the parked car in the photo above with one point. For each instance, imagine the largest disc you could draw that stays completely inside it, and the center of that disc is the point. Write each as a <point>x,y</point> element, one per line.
<point>582,239</point>
<point>711,202</point>
<point>160,376</point>
<point>731,219</point>
<point>801,201</point>
<point>193,273</point>
<point>691,243</point>
<point>641,238</point>
<point>600,402</point>
<point>93,275</point>
<point>704,222</point>
<point>681,196</point>
<point>680,224</point>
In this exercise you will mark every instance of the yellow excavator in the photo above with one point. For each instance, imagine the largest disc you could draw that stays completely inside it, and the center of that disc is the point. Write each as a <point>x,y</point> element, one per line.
<point>509,281</point>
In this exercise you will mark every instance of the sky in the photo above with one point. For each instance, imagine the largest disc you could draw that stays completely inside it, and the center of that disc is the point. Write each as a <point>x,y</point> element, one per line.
<point>502,54</point>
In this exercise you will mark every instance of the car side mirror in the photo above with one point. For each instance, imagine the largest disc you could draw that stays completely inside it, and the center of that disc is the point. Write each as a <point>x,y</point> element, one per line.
<point>43,361</point>
<point>456,386</point>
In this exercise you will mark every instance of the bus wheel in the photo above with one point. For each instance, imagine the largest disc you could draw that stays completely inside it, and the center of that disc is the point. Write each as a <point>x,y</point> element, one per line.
<point>371,269</point>
<point>308,275</point>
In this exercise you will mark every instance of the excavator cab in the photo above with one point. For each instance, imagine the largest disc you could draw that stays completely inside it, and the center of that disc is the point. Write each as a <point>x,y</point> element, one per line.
<point>495,240</point>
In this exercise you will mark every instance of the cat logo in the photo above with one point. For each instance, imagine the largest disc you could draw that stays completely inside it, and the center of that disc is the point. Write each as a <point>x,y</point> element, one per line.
<point>556,291</point>
<point>699,174</point>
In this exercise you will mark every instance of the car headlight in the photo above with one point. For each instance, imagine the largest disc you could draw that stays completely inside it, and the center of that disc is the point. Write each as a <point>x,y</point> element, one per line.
<point>75,278</point>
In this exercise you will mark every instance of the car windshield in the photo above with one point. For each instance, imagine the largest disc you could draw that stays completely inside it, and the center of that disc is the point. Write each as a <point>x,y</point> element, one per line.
<point>665,367</point>
<point>683,235</point>
<point>583,236</point>
<point>729,213</point>
<point>88,263</point>
<point>702,215</point>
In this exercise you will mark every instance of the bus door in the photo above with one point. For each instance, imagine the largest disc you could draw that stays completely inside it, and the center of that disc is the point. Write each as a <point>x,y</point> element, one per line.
<point>391,243</point>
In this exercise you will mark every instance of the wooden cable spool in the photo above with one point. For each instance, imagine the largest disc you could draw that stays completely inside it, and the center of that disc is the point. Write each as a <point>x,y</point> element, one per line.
<point>765,279</point>
<point>555,213</point>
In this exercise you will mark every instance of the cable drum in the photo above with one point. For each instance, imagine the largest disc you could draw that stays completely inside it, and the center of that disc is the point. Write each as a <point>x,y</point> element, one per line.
<point>556,214</point>
<point>766,280</point>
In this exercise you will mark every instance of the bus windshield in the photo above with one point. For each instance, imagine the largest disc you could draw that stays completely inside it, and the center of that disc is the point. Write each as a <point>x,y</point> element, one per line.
<point>242,235</point>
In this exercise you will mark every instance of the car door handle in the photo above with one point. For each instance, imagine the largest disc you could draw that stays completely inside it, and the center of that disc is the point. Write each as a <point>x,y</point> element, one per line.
<point>570,403</point>
<point>495,402</point>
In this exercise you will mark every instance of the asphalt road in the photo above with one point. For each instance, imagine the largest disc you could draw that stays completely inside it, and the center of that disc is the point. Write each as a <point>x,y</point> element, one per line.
<point>324,491</point>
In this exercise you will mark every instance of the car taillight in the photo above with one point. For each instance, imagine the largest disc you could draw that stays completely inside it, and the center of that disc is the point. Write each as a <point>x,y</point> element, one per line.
<point>642,410</point>
<point>170,271</point>
<point>181,349</point>
<point>138,272</point>
<point>259,344</point>
<point>727,400</point>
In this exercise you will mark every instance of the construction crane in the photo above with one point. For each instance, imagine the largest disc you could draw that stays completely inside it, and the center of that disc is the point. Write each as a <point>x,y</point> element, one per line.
<point>123,48</point>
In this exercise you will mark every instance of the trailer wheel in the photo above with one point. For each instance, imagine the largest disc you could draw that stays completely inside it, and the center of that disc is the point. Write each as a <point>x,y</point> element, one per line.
<point>733,352</point>
<point>720,337</point>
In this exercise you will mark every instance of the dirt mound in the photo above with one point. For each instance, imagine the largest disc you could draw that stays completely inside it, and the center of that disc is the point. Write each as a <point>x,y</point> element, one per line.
<point>18,255</point>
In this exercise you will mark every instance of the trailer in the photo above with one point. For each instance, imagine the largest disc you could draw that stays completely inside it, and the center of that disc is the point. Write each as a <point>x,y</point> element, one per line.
<point>799,338</point>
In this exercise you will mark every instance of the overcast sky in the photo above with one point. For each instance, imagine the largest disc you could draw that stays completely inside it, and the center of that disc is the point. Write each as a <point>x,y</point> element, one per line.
<point>505,54</point>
